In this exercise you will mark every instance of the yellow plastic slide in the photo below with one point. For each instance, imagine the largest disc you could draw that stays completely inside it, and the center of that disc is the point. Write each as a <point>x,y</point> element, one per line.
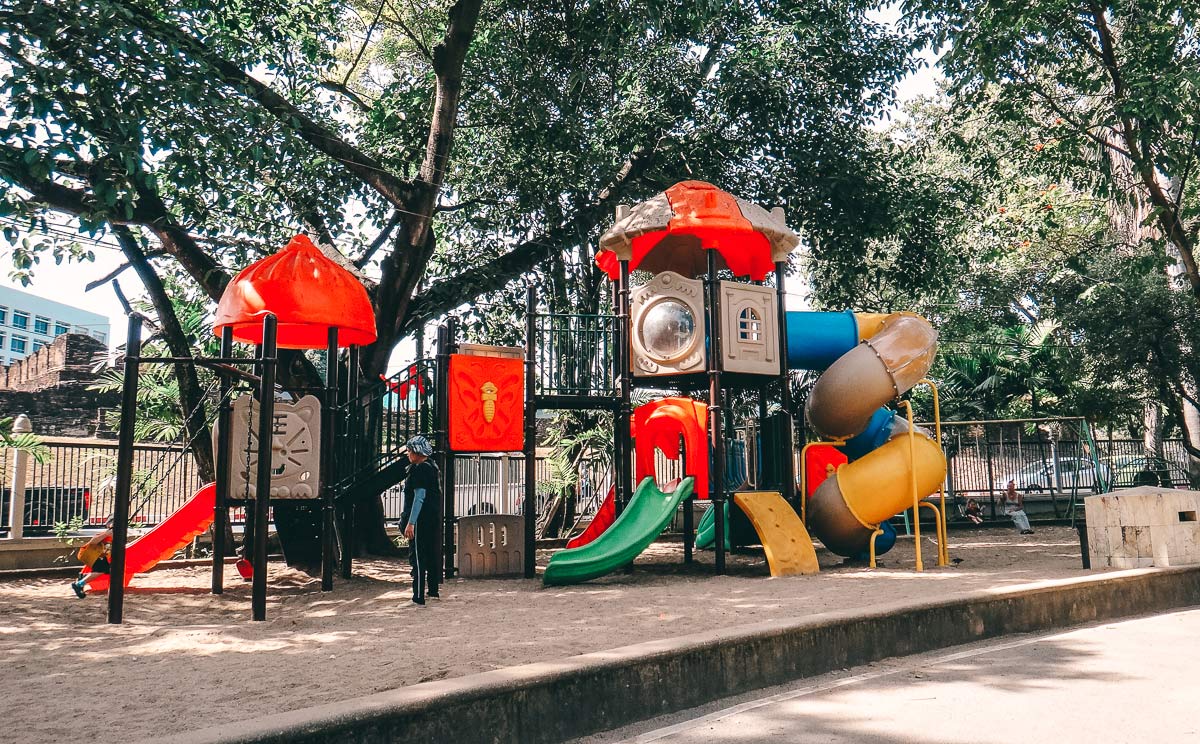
<point>785,541</point>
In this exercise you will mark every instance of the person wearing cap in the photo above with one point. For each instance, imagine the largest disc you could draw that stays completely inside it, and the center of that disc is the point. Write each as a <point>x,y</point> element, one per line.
<point>420,518</point>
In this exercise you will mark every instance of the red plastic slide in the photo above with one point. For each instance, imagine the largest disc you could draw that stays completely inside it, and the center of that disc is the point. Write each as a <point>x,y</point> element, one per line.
<point>605,516</point>
<point>169,536</point>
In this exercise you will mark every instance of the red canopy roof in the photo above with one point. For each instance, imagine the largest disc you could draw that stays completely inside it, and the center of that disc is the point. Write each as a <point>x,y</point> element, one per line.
<point>307,292</point>
<point>671,231</point>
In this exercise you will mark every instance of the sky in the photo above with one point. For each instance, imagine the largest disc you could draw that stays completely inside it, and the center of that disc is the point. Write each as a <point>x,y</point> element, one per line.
<point>66,283</point>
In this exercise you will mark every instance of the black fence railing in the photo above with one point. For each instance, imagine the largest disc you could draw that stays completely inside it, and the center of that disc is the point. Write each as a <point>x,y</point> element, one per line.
<point>1052,475</point>
<point>378,422</point>
<point>574,355</point>
<point>77,479</point>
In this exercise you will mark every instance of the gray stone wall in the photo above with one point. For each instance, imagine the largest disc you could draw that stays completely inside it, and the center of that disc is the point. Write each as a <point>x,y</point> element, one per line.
<point>51,387</point>
<point>68,359</point>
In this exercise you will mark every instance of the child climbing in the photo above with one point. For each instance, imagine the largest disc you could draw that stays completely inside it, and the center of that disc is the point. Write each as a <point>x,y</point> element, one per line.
<point>94,554</point>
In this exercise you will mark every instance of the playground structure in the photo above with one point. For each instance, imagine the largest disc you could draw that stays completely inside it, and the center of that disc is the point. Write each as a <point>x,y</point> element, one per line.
<point>316,460</point>
<point>683,333</point>
<point>295,299</point>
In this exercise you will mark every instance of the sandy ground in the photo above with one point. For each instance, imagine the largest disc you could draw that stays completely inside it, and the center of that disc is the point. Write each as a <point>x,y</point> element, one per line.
<point>185,659</point>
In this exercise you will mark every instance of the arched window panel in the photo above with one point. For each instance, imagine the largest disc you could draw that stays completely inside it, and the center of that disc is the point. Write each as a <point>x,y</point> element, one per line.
<point>749,326</point>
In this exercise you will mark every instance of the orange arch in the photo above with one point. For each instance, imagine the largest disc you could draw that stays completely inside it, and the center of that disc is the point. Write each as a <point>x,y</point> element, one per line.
<point>660,424</point>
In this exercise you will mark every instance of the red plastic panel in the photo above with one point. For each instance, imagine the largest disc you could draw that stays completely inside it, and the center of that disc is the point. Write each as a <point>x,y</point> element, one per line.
<point>817,461</point>
<point>487,404</point>
<point>660,424</point>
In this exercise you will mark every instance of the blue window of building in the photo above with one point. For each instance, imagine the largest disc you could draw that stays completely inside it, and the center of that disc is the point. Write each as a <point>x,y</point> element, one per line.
<point>41,325</point>
<point>3,315</point>
<point>18,344</point>
<point>61,328</point>
<point>20,319</point>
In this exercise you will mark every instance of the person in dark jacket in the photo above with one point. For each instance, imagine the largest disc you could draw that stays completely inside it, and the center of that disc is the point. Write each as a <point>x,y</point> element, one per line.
<point>421,518</point>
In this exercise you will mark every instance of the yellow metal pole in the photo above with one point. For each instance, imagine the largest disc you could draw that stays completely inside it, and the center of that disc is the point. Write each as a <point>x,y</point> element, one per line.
<point>874,535</point>
<point>937,524</point>
<point>937,425</point>
<point>804,475</point>
<point>912,471</point>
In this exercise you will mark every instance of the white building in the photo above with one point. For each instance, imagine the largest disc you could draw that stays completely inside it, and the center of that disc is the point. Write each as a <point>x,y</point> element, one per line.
<point>29,322</point>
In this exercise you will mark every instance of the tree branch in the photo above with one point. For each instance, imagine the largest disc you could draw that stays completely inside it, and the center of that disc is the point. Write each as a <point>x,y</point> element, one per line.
<point>379,240</point>
<point>396,191</point>
<point>345,91</point>
<point>191,394</point>
<point>112,275</point>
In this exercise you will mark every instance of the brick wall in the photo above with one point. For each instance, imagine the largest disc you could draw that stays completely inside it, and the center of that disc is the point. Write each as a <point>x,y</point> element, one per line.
<point>68,359</point>
<point>51,387</point>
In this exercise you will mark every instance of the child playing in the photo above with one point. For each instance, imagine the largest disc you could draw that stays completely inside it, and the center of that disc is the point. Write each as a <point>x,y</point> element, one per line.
<point>94,555</point>
<point>973,512</point>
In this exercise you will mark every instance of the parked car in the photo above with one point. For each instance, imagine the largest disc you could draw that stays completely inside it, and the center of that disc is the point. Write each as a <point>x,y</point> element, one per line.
<point>1074,474</point>
<point>46,506</point>
<point>1143,470</point>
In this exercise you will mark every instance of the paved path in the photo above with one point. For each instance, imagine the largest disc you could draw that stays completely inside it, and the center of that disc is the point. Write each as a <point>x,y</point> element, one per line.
<point>1129,681</point>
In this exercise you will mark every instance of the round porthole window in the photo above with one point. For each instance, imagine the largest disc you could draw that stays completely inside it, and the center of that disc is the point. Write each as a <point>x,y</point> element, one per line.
<point>668,329</point>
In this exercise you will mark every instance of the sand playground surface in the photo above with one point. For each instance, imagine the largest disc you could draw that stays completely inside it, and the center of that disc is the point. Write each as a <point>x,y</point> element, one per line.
<point>185,659</point>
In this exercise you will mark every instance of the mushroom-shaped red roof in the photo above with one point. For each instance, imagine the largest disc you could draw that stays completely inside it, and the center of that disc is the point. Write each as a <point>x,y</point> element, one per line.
<point>307,292</point>
<point>671,231</point>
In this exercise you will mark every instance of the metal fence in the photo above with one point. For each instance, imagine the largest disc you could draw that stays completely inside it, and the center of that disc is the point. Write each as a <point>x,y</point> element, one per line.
<point>77,479</point>
<point>575,354</point>
<point>1052,473</point>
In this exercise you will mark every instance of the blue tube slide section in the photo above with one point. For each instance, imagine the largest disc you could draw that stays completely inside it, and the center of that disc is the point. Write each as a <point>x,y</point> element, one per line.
<point>816,340</point>
<point>878,431</point>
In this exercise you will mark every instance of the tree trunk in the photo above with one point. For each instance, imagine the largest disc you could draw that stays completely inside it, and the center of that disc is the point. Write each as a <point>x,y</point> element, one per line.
<point>1190,417</point>
<point>1152,422</point>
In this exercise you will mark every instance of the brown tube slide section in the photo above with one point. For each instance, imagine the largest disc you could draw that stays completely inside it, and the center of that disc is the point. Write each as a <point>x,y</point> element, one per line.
<point>896,351</point>
<point>885,365</point>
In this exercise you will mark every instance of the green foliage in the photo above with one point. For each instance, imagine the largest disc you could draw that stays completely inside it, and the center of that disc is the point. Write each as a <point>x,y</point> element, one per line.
<point>575,437</point>
<point>30,443</point>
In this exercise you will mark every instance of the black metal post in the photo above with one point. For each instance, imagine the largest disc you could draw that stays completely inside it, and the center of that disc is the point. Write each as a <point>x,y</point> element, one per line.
<point>689,516</point>
<point>624,449</point>
<point>447,345</point>
<point>531,407</point>
<point>716,417</point>
<point>267,362</point>
<point>124,485</point>
<point>350,419</point>
<point>224,457</point>
<point>328,497</point>
<point>788,466</point>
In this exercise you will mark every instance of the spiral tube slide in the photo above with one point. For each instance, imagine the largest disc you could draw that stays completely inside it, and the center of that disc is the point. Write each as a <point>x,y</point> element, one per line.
<point>872,359</point>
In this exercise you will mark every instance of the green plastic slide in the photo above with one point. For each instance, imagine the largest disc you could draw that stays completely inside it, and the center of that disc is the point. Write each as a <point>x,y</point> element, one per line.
<point>706,531</point>
<point>644,518</point>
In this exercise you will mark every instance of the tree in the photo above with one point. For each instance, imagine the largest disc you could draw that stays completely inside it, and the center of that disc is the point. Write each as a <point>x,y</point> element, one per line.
<point>1102,95</point>
<point>217,129</point>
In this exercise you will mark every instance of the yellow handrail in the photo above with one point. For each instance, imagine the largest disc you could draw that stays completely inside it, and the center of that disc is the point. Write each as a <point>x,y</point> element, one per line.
<point>944,554</point>
<point>939,527</point>
<point>912,471</point>
<point>874,535</point>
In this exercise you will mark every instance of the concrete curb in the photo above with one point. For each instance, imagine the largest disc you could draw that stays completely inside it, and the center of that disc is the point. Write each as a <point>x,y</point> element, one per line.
<point>554,701</point>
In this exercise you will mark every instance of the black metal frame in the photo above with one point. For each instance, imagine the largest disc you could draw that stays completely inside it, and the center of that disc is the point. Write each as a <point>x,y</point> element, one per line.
<point>266,362</point>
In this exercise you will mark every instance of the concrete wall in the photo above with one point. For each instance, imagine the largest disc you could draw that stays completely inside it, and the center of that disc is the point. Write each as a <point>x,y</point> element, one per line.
<point>1143,526</point>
